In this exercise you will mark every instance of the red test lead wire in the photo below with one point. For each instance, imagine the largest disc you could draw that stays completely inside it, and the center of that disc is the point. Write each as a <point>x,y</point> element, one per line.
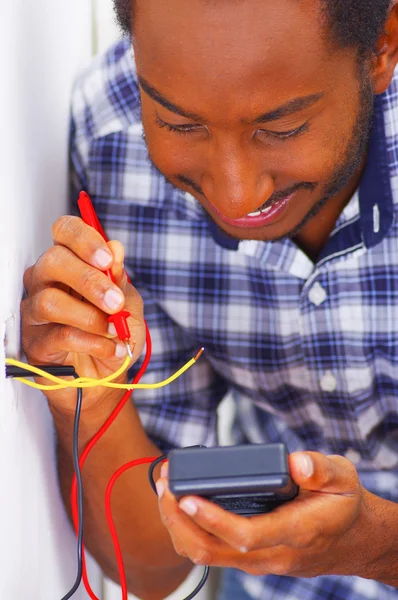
<point>120,320</point>
<point>89,216</point>
<point>82,460</point>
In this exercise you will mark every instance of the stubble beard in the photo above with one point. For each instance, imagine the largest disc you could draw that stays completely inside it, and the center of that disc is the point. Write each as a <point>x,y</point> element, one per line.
<point>354,156</point>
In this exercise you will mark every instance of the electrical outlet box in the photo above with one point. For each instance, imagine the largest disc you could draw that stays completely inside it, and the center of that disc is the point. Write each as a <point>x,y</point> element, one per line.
<point>11,337</point>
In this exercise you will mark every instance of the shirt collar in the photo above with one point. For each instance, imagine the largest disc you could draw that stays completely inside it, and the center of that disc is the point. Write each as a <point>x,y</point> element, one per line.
<point>375,193</point>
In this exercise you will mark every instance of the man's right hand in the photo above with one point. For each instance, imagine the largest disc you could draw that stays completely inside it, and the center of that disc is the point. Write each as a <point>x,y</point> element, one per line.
<point>66,308</point>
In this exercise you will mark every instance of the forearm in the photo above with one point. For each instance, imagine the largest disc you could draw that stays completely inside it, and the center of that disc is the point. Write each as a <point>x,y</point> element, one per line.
<point>152,567</point>
<point>381,540</point>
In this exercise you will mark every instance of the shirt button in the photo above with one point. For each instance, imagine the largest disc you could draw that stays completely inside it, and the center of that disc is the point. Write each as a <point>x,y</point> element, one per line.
<point>317,294</point>
<point>328,382</point>
<point>353,456</point>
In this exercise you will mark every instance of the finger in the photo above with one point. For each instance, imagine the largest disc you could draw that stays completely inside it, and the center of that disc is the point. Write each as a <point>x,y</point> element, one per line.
<point>118,270</point>
<point>56,341</point>
<point>135,306</point>
<point>27,279</point>
<point>83,240</point>
<point>136,324</point>
<point>317,472</point>
<point>133,301</point>
<point>60,265</point>
<point>244,534</point>
<point>52,305</point>
<point>188,539</point>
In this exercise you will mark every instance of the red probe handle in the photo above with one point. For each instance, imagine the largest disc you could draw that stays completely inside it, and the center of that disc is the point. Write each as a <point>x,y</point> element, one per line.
<point>89,216</point>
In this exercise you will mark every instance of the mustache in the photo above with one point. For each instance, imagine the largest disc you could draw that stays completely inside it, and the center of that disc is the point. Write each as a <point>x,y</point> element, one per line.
<point>190,183</point>
<point>281,194</point>
<point>276,196</point>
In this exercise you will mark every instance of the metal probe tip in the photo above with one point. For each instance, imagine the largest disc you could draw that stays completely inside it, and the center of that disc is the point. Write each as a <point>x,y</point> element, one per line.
<point>129,352</point>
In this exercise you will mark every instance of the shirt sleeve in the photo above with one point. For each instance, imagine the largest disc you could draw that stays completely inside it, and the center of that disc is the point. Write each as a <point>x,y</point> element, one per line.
<point>79,137</point>
<point>183,413</point>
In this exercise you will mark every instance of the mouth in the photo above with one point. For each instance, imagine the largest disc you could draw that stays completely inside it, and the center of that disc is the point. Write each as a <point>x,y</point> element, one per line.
<point>270,212</point>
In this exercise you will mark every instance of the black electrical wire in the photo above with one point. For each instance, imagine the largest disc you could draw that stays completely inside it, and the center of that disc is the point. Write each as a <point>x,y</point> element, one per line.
<point>206,572</point>
<point>79,493</point>
<point>63,371</point>
<point>151,469</point>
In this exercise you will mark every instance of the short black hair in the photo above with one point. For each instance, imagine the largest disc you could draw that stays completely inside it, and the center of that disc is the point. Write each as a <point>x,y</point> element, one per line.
<point>353,23</point>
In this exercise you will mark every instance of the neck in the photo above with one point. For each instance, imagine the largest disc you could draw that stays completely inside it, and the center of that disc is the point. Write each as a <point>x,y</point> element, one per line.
<point>313,236</point>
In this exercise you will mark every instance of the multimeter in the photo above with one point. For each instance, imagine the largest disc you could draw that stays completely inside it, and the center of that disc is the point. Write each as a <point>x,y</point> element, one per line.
<point>246,480</point>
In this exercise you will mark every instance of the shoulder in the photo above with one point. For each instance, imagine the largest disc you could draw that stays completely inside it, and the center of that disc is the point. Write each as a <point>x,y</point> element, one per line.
<point>105,96</point>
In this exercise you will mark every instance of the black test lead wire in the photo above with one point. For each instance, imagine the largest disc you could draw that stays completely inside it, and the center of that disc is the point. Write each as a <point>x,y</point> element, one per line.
<point>151,469</point>
<point>79,493</point>
<point>63,371</point>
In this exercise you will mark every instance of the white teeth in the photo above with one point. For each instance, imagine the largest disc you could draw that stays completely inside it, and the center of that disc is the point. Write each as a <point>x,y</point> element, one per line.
<point>257,213</point>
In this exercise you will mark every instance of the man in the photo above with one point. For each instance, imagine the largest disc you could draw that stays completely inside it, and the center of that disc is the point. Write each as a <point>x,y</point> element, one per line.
<point>263,228</point>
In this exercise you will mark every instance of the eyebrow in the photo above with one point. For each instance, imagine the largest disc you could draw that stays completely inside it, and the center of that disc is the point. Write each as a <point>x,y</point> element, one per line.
<point>158,97</point>
<point>287,109</point>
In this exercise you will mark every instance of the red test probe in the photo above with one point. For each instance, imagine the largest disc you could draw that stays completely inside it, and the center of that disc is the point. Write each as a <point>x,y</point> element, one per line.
<point>89,216</point>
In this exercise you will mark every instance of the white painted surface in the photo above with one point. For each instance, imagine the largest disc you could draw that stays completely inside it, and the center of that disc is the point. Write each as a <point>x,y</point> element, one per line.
<point>41,45</point>
<point>106,30</point>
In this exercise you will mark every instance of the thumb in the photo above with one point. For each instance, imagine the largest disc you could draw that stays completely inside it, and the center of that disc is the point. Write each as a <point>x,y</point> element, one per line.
<point>118,271</point>
<point>133,301</point>
<point>317,472</point>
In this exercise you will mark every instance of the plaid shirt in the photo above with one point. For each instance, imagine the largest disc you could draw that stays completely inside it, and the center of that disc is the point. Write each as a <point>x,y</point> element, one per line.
<point>309,351</point>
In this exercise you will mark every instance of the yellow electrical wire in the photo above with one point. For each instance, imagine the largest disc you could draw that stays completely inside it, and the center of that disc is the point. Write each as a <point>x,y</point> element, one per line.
<point>88,382</point>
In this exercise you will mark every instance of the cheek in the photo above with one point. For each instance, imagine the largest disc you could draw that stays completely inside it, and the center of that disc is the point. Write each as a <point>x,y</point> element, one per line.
<point>316,156</point>
<point>172,153</point>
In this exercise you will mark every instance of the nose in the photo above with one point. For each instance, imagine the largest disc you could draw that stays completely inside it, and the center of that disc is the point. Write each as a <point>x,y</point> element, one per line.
<point>234,182</point>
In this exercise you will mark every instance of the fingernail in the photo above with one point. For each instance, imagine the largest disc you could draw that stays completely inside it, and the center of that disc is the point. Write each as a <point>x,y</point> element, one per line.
<point>159,488</point>
<point>189,507</point>
<point>120,351</point>
<point>305,465</point>
<point>102,258</point>
<point>112,329</point>
<point>113,299</point>
<point>164,471</point>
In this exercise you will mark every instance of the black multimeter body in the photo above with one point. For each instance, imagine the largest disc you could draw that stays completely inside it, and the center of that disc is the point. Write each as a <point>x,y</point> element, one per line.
<point>246,480</point>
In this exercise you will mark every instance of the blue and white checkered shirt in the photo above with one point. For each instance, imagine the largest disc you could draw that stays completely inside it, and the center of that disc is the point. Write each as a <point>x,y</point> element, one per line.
<point>309,351</point>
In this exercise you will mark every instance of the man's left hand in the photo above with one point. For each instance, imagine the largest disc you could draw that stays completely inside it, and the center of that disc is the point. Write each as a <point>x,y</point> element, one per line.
<point>328,529</point>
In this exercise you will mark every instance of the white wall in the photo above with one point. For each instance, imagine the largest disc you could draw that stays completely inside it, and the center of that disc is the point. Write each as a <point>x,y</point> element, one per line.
<point>42,45</point>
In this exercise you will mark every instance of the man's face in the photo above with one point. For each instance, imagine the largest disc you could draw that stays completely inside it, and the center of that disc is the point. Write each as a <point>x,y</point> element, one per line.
<point>246,106</point>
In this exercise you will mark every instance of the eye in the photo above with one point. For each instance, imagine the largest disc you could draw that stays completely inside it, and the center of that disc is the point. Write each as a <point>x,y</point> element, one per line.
<point>283,135</point>
<point>186,128</point>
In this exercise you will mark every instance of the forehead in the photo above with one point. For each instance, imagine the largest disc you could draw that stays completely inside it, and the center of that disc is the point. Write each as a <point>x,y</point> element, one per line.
<point>220,49</point>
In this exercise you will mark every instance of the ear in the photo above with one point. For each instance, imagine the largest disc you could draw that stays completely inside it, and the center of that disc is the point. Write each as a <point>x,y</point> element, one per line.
<point>383,66</point>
